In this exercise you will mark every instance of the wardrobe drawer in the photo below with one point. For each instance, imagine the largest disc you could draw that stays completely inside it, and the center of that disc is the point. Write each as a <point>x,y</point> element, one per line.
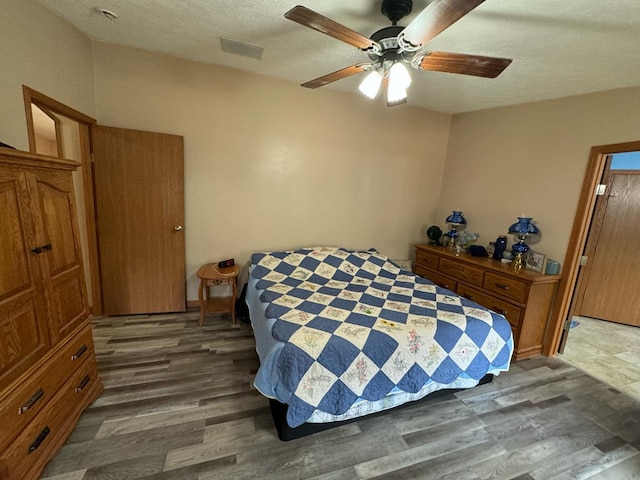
<point>506,286</point>
<point>39,441</point>
<point>426,259</point>
<point>22,405</point>
<point>459,271</point>
<point>510,312</point>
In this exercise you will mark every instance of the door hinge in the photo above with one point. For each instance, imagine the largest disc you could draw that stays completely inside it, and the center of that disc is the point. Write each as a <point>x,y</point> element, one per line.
<point>583,260</point>
<point>601,189</point>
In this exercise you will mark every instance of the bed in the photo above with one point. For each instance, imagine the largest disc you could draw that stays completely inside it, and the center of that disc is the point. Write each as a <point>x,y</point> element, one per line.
<point>345,333</point>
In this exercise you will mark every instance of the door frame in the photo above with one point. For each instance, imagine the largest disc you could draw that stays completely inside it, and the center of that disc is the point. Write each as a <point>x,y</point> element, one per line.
<point>577,240</point>
<point>85,123</point>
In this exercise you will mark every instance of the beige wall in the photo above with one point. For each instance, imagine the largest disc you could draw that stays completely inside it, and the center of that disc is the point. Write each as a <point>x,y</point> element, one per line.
<point>270,165</point>
<point>42,51</point>
<point>259,152</point>
<point>531,159</point>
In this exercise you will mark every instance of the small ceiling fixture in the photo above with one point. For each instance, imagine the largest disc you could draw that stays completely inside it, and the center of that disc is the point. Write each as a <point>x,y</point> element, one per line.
<point>108,14</point>
<point>393,48</point>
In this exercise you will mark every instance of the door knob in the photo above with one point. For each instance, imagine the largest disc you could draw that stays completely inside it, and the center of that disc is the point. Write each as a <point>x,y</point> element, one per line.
<point>178,228</point>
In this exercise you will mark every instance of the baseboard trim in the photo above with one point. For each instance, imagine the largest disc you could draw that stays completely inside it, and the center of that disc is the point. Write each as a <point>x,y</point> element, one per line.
<point>193,304</point>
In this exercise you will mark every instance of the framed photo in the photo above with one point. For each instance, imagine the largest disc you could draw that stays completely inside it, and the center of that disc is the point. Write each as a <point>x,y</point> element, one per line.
<point>535,261</point>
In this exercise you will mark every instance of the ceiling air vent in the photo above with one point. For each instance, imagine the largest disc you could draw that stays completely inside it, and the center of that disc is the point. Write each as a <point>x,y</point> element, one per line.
<point>240,48</point>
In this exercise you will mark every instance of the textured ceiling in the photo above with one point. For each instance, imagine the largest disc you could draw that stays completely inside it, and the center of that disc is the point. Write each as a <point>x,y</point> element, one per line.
<point>559,47</point>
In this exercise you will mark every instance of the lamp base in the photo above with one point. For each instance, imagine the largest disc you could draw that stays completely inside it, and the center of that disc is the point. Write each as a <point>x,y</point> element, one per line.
<point>521,250</point>
<point>518,262</point>
<point>451,237</point>
<point>450,242</point>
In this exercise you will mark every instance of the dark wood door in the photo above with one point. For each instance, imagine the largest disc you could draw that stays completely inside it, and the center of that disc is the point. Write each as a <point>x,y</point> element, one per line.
<point>139,193</point>
<point>610,283</point>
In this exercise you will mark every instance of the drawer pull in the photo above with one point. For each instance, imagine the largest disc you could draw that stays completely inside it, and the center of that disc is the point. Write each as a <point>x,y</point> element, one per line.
<point>443,285</point>
<point>38,441</point>
<point>469,297</point>
<point>79,353</point>
<point>83,383</point>
<point>32,401</point>
<point>426,260</point>
<point>502,286</point>
<point>499,310</point>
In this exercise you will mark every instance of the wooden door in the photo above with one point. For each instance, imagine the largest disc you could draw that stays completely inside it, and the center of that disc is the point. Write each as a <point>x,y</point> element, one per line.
<point>139,193</point>
<point>610,283</point>
<point>23,334</point>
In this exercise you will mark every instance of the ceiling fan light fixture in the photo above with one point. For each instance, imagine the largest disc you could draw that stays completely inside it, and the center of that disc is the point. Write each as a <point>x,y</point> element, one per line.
<point>399,81</point>
<point>371,84</point>
<point>395,96</point>
<point>399,77</point>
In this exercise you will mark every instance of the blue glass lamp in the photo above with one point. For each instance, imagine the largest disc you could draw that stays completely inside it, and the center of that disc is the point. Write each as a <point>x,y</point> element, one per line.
<point>455,220</point>
<point>522,229</point>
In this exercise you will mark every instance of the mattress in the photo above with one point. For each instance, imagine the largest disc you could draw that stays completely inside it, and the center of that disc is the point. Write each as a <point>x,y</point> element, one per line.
<point>325,296</point>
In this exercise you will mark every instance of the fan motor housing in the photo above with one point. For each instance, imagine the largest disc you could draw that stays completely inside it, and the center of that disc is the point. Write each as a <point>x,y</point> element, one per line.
<point>387,38</point>
<point>395,10</point>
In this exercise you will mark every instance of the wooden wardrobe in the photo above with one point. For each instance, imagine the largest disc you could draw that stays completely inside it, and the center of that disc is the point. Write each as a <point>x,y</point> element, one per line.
<point>48,370</point>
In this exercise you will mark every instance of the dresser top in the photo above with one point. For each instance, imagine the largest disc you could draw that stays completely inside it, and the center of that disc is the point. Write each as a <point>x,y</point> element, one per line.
<point>489,264</point>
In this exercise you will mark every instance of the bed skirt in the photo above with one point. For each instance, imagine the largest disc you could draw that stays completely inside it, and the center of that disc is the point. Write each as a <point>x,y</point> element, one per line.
<point>286,433</point>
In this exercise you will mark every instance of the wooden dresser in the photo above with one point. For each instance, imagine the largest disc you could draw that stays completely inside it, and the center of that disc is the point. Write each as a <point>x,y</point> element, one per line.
<point>525,298</point>
<point>48,370</point>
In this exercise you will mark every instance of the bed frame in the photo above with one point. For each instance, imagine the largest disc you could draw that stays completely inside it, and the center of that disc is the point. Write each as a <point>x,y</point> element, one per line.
<point>286,433</point>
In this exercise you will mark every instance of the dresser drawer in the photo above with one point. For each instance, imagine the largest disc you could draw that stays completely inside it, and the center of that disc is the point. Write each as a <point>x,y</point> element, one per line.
<point>462,272</point>
<point>441,281</point>
<point>511,312</point>
<point>38,442</point>
<point>506,286</point>
<point>426,259</point>
<point>22,405</point>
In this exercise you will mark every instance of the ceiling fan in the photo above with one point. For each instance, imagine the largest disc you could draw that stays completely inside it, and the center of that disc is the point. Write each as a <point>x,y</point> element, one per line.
<point>390,48</point>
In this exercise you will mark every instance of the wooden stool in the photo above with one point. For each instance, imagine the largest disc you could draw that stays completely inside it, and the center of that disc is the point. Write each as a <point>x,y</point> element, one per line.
<point>211,275</point>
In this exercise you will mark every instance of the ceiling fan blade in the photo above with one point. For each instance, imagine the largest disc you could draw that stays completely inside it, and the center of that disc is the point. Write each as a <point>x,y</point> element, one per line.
<point>436,17</point>
<point>488,67</point>
<point>311,19</point>
<point>338,75</point>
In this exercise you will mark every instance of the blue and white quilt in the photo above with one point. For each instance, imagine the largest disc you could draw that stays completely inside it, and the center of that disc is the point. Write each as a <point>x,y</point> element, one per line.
<point>356,326</point>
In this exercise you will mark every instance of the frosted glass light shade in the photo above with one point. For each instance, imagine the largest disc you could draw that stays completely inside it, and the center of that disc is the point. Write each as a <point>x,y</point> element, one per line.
<point>371,84</point>
<point>399,81</point>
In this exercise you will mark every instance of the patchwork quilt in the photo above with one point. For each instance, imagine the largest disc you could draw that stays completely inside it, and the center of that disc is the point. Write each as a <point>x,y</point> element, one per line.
<point>357,326</point>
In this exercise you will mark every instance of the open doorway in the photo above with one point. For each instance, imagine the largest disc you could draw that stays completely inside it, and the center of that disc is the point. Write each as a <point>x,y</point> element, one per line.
<point>122,170</point>
<point>603,321</point>
<point>58,130</point>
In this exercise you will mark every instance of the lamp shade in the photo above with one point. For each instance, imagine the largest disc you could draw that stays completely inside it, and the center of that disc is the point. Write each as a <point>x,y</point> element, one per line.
<point>371,84</point>
<point>457,218</point>
<point>399,81</point>
<point>523,227</point>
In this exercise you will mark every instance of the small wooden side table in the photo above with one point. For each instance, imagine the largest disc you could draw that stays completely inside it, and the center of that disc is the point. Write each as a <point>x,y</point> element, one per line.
<point>211,275</point>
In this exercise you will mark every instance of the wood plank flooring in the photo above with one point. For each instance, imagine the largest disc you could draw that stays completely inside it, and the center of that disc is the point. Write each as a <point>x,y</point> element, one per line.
<point>179,404</point>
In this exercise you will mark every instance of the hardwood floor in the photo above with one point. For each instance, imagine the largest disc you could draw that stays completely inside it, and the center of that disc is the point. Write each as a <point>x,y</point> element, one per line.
<point>179,404</point>
<point>608,351</point>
